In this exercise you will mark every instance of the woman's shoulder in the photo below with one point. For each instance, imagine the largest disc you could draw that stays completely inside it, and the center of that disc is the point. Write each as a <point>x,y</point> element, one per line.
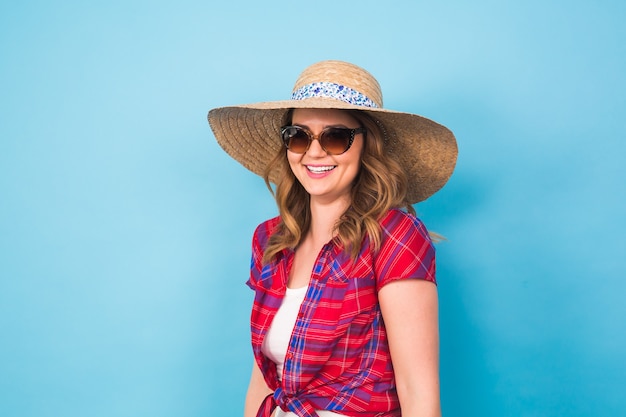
<point>400,218</point>
<point>406,249</point>
<point>264,230</point>
<point>398,225</point>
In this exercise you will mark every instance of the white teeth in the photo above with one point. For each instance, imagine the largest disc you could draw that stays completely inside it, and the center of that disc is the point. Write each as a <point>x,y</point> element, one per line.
<point>318,170</point>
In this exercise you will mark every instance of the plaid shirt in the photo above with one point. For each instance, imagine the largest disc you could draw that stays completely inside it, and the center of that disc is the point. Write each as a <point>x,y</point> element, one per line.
<point>338,357</point>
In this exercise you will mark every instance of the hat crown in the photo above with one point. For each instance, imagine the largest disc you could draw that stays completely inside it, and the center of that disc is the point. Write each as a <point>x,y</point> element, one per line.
<point>342,74</point>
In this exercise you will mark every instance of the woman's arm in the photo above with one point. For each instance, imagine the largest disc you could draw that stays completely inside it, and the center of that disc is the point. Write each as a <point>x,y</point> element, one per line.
<point>257,391</point>
<point>410,313</point>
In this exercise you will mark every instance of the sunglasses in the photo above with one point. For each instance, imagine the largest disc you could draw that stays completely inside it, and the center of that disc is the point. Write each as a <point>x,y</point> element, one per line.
<point>334,140</point>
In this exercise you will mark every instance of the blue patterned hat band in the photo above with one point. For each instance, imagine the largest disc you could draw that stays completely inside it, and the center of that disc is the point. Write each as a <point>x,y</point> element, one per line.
<point>334,91</point>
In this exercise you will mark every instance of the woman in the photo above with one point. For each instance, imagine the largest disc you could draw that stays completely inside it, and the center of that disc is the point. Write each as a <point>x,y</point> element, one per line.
<point>344,321</point>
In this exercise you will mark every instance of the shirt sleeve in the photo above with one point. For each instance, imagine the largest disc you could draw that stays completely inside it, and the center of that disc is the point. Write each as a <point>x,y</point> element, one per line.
<point>256,261</point>
<point>406,252</point>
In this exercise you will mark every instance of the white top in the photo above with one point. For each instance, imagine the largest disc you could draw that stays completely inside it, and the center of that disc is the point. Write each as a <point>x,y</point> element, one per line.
<point>278,335</point>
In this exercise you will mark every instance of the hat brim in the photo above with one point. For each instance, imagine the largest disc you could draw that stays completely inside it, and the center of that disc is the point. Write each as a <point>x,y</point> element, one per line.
<point>427,151</point>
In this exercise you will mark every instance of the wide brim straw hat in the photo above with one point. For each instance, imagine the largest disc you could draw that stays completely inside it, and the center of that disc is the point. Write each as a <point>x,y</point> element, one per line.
<point>250,133</point>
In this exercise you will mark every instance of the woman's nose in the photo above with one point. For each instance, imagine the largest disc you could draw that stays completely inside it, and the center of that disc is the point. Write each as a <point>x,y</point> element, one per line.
<point>315,148</point>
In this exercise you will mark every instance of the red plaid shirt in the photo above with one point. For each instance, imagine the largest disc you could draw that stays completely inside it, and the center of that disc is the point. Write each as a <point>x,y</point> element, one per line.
<point>338,357</point>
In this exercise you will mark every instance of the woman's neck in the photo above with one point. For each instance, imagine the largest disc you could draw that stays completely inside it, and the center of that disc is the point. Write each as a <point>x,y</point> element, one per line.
<point>324,217</point>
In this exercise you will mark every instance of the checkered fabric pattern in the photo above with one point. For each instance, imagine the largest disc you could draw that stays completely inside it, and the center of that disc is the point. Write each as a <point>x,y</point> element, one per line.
<point>338,357</point>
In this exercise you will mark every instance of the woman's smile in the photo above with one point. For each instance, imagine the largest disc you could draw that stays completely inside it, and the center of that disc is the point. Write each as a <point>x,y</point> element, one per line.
<point>320,169</point>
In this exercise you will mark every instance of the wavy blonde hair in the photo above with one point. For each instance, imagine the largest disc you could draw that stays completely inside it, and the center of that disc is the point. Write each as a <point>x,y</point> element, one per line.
<point>380,185</point>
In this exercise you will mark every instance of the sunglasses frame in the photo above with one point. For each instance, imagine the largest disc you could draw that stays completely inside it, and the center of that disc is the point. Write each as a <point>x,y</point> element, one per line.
<point>312,137</point>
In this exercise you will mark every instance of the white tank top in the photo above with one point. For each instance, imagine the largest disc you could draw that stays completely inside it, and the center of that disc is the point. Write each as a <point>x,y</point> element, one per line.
<point>278,335</point>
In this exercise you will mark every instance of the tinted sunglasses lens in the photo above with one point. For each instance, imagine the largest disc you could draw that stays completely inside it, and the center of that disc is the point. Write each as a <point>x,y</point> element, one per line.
<point>296,139</point>
<point>336,140</point>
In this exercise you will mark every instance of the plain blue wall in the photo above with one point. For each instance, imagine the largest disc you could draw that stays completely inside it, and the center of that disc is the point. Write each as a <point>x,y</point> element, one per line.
<point>125,230</point>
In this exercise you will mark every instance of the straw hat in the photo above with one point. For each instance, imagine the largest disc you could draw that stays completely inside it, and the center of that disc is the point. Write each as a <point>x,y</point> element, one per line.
<point>250,133</point>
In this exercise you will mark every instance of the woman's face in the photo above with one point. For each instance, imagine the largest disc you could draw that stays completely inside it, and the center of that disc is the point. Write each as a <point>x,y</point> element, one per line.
<point>325,177</point>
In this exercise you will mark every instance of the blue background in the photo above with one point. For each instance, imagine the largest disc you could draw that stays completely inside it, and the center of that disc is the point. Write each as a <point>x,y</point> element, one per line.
<point>125,230</point>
